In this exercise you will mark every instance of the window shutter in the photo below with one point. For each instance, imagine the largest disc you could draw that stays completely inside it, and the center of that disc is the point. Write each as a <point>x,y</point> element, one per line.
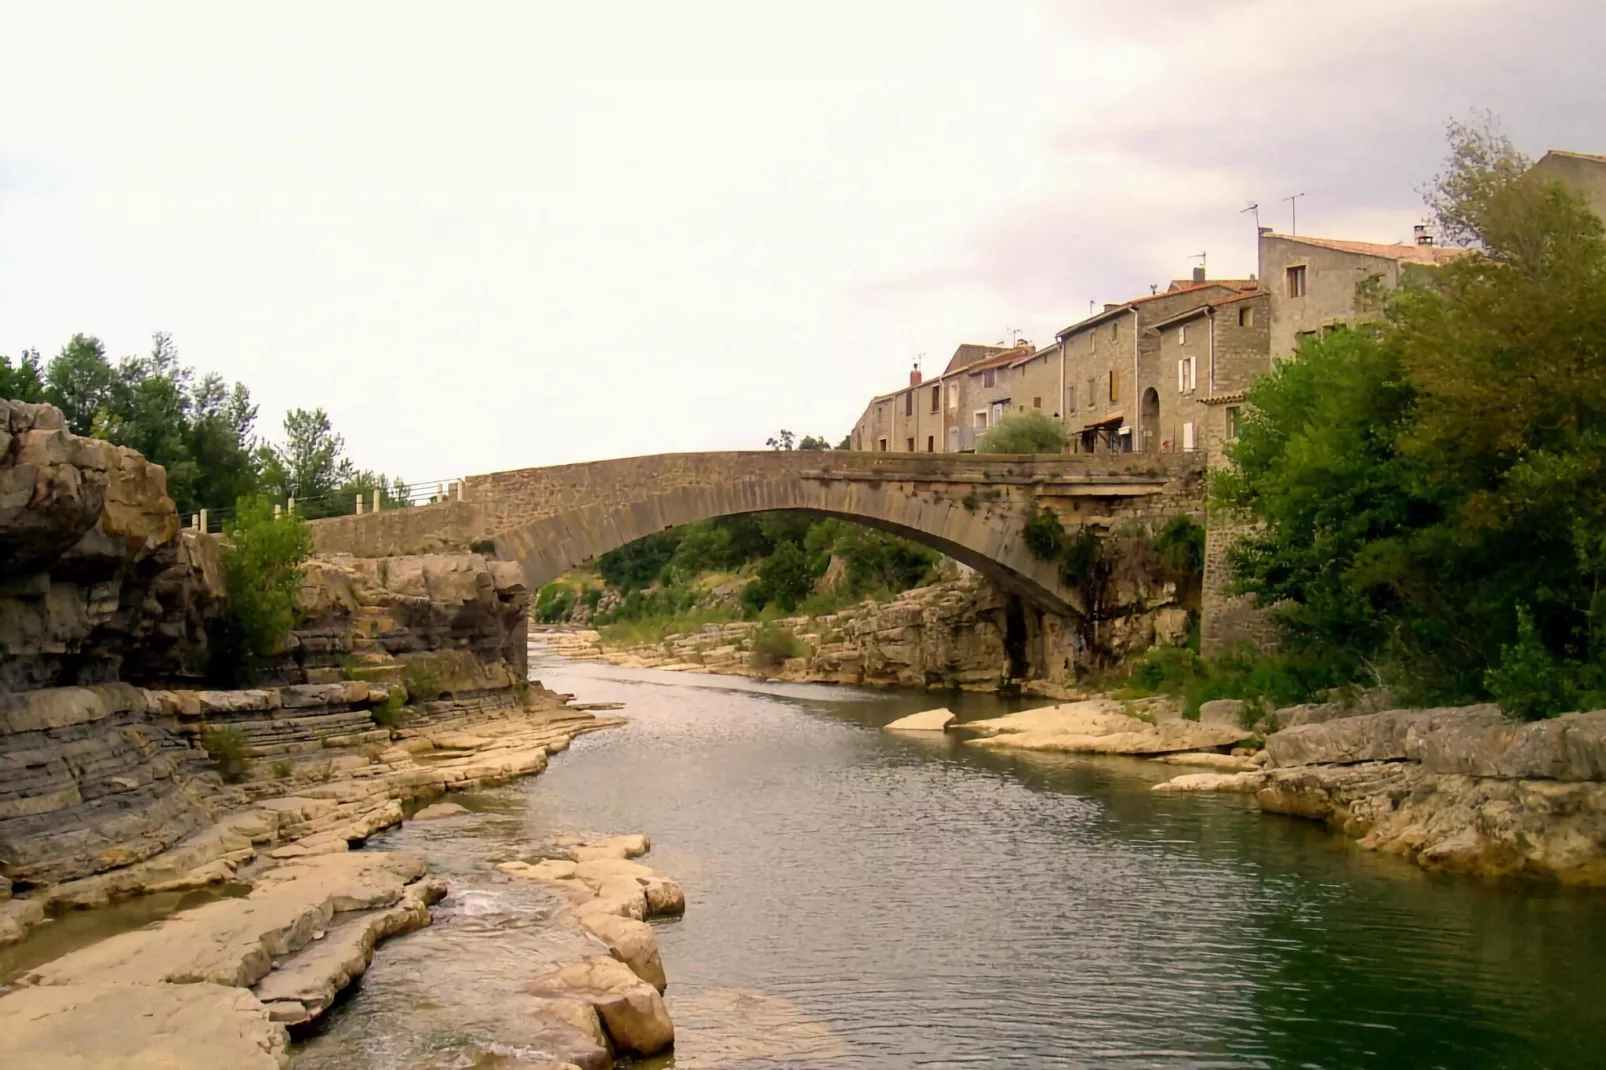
<point>1182,375</point>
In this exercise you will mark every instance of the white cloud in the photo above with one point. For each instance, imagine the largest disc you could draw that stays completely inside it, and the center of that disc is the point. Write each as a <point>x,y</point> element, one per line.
<point>492,235</point>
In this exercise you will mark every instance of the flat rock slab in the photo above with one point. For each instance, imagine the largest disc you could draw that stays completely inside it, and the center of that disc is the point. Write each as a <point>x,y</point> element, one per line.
<point>171,1027</point>
<point>235,941</point>
<point>1229,763</point>
<point>1098,726</point>
<point>926,721</point>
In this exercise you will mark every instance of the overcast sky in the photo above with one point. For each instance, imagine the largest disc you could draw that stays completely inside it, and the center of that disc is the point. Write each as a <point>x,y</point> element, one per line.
<point>488,236</point>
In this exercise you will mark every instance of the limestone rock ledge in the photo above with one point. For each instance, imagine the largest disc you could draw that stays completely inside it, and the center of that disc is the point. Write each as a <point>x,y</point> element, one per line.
<point>1098,726</point>
<point>306,930</point>
<point>610,897</point>
<point>1461,790</point>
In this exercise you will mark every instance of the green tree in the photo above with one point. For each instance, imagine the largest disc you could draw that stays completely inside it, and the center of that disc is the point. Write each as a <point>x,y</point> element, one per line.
<point>810,442</point>
<point>1024,432</point>
<point>23,381</point>
<point>311,465</point>
<point>1432,492</point>
<point>78,381</point>
<point>785,578</point>
<point>262,558</point>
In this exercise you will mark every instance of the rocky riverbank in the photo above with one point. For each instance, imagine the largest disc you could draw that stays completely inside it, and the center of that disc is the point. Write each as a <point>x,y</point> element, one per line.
<point>961,633</point>
<point>1463,790</point>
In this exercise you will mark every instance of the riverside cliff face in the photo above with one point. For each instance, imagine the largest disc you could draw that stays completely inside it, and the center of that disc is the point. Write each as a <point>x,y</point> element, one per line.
<point>105,787</point>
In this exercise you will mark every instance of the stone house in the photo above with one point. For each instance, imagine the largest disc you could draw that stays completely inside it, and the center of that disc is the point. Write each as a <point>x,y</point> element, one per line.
<point>937,416</point>
<point>1215,350</point>
<point>1581,172</point>
<point>1320,284</point>
<point>1114,372</point>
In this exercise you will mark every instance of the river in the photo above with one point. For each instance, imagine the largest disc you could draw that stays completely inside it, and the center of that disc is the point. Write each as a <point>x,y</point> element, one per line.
<point>861,900</point>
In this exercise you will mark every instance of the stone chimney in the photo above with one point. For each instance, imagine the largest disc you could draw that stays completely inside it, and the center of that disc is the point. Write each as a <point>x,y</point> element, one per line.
<point>1199,274</point>
<point>914,376</point>
<point>1420,232</point>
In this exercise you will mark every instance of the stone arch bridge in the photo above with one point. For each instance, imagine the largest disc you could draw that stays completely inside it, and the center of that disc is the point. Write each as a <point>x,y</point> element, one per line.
<point>973,507</point>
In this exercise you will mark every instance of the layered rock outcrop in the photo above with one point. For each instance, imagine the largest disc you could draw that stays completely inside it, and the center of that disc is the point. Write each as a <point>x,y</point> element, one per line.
<point>1452,789</point>
<point>98,583</point>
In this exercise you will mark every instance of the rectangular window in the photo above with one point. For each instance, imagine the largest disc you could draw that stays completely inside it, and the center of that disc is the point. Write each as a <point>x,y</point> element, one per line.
<point>1232,421</point>
<point>882,446</point>
<point>1070,398</point>
<point>909,403</point>
<point>1115,385</point>
<point>979,419</point>
<point>989,377</point>
<point>1246,316</point>
<point>931,443</point>
<point>1090,341</point>
<point>1115,330</point>
<point>953,399</point>
<point>909,445</point>
<point>1092,395</point>
<point>1182,335</point>
<point>1037,403</point>
<point>996,412</point>
<point>936,399</point>
<point>1187,375</point>
<point>1187,437</point>
<point>1296,281</point>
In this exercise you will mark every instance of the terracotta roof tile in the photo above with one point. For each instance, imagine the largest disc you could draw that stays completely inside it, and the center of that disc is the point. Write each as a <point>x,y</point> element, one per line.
<point>1416,254</point>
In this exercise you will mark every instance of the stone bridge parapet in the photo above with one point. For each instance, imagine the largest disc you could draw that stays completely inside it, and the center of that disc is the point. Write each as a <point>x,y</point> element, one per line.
<point>972,507</point>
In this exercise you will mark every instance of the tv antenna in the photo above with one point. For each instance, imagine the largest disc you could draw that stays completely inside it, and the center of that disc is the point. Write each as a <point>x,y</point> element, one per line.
<point>1254,206</point>
<point>1201,257</point>
<point>1293,209</point>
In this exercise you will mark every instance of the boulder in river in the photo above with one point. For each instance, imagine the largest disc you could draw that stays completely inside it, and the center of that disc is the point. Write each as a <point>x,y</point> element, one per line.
<point>439,810</point>
<point>925,721</point>
<point>632,1011</point>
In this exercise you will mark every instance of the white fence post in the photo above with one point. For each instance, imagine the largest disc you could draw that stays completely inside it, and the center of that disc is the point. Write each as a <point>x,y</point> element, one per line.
<point>203,520</point>
<point>376,500</point>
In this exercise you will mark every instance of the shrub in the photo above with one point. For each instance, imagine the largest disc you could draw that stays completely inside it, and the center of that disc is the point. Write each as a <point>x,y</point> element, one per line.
<point>482,546</point>
<point>772,645</point>
<point>283,768</point>
<point>226,747</point>
<point>262,557</point>
<point>1030,431</point>
<point>1528,682</point>
<point>554,603</point>
<point>1083,556</point>
<point>423,683</point>
<point>1044,534</point>
<point>1181,546</point>
<point>393,712</point>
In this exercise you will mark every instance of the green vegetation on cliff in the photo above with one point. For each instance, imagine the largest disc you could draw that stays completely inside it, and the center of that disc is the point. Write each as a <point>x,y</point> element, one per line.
<point>262,559</point>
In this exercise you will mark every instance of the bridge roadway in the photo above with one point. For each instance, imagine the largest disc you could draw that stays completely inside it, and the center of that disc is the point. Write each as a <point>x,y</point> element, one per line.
<point>973,507</point>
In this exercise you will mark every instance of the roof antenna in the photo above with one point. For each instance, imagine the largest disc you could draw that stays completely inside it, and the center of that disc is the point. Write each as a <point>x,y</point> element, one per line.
<point>1090,304</point>
<point>1154,288</point>
<point>1254,206</point>
<point>1293,208</point>
<point>1014,336</point>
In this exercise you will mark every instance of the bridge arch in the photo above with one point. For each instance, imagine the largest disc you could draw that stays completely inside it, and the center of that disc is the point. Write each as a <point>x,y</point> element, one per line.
<point>991,543</point>
<point>973,507</point>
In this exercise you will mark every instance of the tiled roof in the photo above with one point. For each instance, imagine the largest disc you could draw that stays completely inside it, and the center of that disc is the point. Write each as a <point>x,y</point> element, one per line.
<point>1416,254</point>
<point>999,360</point>
<point>1188,284</point>
<point>1124,305</point>
<point>1591,157</point>
<point>1199,310</point>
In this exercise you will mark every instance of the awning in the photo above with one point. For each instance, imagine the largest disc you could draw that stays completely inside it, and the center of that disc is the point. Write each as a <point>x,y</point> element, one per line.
<point>1112,418</point>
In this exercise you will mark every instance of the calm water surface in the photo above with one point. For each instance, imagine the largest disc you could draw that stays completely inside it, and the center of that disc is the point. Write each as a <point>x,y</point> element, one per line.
<point>861,900</point>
